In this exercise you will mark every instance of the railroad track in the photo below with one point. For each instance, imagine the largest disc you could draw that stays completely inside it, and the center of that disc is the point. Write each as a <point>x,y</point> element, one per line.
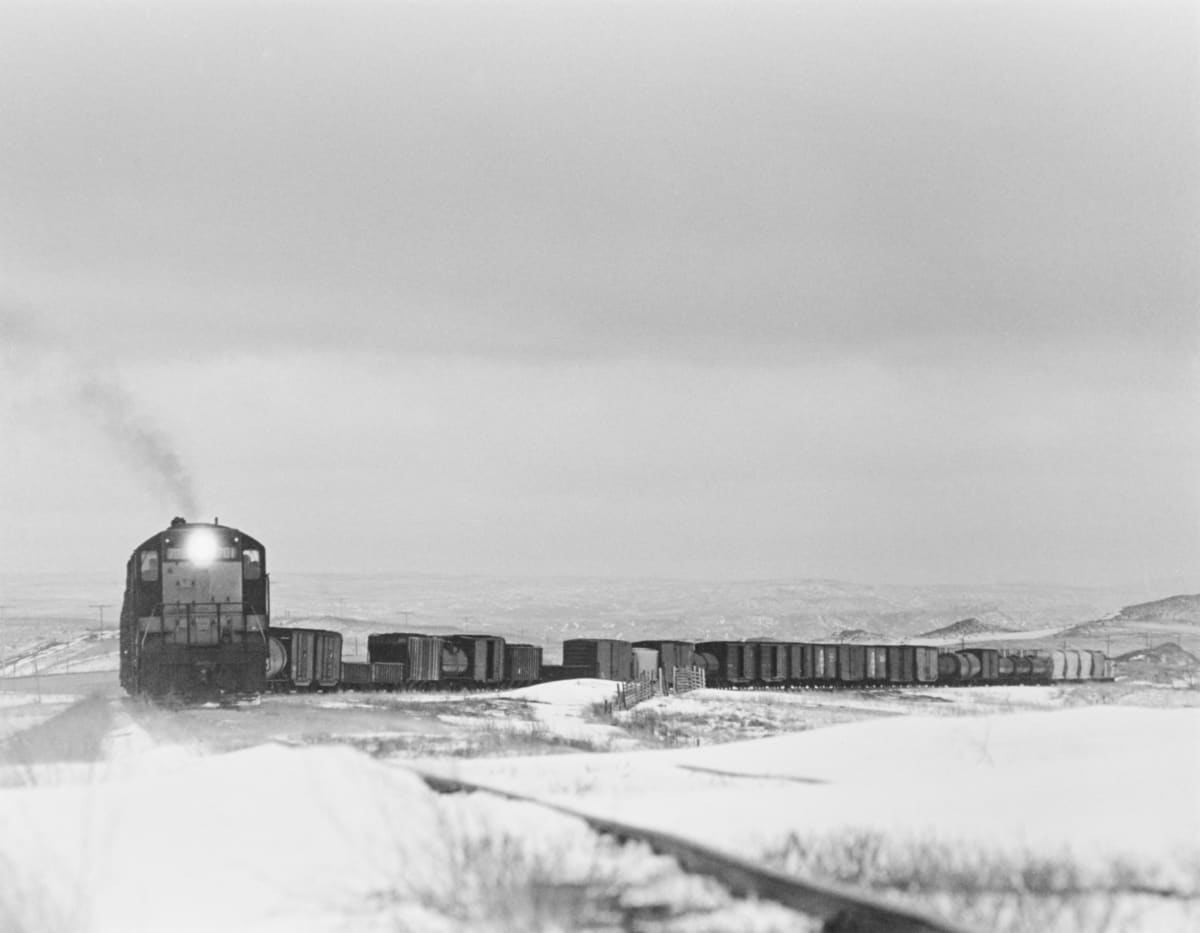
<point>843,909</point>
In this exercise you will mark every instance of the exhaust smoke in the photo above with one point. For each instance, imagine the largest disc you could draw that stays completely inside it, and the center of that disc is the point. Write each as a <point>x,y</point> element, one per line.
<point>138,441</point>
<point>66,380</point>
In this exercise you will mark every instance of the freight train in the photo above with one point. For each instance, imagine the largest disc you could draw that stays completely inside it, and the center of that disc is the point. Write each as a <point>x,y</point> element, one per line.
<point>196,621</point>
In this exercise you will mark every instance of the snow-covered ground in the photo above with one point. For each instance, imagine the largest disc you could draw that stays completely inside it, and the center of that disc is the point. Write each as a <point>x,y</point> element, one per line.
<point>301,813</point>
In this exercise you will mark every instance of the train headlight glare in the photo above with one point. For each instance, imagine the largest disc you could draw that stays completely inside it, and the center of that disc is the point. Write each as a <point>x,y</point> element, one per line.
<point>202,546</point>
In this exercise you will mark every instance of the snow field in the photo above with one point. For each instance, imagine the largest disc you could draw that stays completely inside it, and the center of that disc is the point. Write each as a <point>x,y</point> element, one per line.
<point>325,839</point>
<point>1093,785</point>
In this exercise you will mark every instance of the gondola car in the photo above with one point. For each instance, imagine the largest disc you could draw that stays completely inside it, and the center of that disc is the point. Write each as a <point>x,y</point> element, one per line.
<point>196,613</point>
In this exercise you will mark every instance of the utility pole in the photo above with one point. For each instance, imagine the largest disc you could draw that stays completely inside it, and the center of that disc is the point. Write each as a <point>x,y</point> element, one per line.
<point>406,613</point>
<point>100,607</point>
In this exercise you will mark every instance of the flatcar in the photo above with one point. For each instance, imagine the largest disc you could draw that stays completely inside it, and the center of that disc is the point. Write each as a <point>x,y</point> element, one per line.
<point>196,613</point>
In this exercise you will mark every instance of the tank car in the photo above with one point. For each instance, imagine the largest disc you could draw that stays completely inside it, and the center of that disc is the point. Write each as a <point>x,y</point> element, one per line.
<point>196,613</point>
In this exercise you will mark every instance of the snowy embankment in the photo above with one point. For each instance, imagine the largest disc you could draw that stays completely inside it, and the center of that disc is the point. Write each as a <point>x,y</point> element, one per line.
<point>88,653</point>
<point>323,839</point>
<point>134,832</point>
<point>1096,784</point>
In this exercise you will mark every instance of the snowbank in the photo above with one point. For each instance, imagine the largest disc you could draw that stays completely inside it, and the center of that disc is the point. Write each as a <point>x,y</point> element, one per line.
<point>1098,783</point>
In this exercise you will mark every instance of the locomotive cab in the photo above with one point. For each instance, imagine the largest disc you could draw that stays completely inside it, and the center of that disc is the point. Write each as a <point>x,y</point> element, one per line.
<point>196,613</point>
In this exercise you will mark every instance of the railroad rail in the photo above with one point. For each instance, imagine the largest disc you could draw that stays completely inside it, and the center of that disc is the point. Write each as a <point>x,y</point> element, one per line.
<point>842,909</point>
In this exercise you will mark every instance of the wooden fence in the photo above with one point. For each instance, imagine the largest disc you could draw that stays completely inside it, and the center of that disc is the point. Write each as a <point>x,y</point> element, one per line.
<point>635,691</point>
<point>686,679</point>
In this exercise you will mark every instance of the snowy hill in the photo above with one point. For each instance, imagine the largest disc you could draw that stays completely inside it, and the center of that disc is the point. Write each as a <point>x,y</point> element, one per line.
<point>1177,613</point>
<point>1173,608</point>
<point>965,627</point>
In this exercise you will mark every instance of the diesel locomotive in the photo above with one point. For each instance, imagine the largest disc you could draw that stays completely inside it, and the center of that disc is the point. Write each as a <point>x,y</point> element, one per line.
<point>196,613</point>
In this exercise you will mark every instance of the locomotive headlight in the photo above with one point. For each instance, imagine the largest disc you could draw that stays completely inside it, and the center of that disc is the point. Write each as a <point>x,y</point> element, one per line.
<point>202,546</point>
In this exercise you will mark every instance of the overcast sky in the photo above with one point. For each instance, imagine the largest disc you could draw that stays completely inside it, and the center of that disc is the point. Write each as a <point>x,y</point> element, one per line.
<point>889,291</point>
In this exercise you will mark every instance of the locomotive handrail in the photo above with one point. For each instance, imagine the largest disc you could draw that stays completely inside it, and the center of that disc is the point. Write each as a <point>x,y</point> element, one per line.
<point>245,609</point>
<point>843,908</point>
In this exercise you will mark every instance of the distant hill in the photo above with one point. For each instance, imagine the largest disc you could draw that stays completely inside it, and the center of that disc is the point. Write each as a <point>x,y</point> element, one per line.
<point>1166,663</point>
<point>971,626</point>
<point>1168,654</point>
<point>856,634</point>
<point>1173,609</point>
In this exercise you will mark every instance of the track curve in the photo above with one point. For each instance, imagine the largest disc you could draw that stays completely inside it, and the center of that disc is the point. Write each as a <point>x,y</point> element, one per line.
<point>843,909</point>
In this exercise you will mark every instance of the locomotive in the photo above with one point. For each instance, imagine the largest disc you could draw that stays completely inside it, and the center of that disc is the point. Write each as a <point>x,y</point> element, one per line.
<point>196,613</point>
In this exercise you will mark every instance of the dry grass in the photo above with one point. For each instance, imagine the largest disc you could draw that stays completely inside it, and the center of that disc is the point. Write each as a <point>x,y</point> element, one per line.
<point>566,879</point>
<point>1027,893</point>
<point>482,739</point>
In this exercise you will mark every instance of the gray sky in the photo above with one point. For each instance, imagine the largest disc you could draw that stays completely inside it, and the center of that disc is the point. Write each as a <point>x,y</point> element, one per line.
<point>888,291</point>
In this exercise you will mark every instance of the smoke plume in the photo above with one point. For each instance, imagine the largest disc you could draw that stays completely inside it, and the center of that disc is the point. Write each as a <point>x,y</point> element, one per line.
<point>139,442</point>
<point>33,354</point>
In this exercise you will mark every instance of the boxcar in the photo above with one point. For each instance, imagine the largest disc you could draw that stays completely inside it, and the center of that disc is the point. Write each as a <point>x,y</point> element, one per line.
<point>671,654</point>
<point>901,664</point>
<point>800,662</point>
<point>645,663</point>
<point>523,663</point>
<point>421,655</point>
<point>304,658</point>
<point>728,662</point>
<point>774,662</point>
<point>603,658</point>
<point>877,664</point>
<point>477,659</point>
<point>852,664</point>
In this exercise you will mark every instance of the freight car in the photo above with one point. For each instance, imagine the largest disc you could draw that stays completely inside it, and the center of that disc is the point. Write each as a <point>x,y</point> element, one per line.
<point>523,663</point>
<point>195,613</point>
<point>420,655</point>
<point>728,663</point>
<point>477,660</point>
<point>604,658</point>
<point>304,659</point>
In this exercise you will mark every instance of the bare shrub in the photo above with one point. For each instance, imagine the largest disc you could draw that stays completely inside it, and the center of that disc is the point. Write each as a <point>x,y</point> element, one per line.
<point>566,879</point>
<point>1006,893</point>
